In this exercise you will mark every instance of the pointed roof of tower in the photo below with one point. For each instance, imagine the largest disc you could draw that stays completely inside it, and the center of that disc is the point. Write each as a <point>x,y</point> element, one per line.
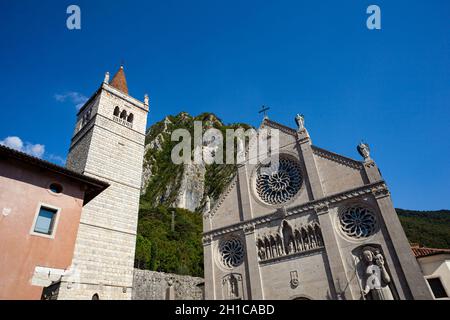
<point>119,81</point>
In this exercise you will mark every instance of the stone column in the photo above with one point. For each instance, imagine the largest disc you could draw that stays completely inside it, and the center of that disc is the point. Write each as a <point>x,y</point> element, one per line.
<point>255,289</point>
<point>210,290</point>
<point>170,290</point>
<point>333,255</point>
<point>408,263</point>
<point>372,171</point>
<point>253,271</point>
<point>244,192</point>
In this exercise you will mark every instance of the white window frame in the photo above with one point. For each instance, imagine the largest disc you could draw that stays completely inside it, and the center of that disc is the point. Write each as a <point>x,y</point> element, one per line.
<point>55,224</point>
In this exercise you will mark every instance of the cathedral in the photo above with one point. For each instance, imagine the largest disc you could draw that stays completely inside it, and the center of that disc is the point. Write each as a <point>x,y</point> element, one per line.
<point>317,226</point>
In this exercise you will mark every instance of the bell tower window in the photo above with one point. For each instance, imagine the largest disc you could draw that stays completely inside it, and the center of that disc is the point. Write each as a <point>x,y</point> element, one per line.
<point>130,118</point>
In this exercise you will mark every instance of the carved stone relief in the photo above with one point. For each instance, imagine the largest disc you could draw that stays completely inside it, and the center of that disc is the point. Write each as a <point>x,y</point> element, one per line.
<point>374,278</point>
<point>289,240</point>
<point>232,286</point>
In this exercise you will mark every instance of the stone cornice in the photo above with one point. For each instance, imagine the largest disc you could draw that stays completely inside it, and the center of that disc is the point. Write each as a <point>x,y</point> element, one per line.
<point>118,94</point>
<point>111,120</point>
<point>320,206</point>
<point>337,158</point>
<point>292,256</point>
<point>279,126</point>
<point>93,123</point>
<point>124,96</point>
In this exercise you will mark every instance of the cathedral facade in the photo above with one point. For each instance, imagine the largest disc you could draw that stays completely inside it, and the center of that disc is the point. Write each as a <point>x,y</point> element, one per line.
<point>108,144</point>
<point>317,226</point>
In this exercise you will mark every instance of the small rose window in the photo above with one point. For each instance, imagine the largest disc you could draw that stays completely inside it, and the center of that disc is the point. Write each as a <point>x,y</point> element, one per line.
<point>358,222</point>
<point>231,252</point>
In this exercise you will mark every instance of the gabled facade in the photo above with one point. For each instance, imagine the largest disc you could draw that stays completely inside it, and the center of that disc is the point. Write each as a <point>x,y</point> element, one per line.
<point>319,226</point>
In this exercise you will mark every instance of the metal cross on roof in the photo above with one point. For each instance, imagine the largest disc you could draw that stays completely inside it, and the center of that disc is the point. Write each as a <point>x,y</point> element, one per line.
<point>264,110</point>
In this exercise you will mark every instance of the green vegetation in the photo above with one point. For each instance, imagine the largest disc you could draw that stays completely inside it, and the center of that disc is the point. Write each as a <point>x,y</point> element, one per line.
<point>428,228</point>
<point>159,248</point>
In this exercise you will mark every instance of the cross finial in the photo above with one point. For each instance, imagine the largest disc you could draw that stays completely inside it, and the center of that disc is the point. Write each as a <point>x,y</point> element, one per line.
<point>264,110</point>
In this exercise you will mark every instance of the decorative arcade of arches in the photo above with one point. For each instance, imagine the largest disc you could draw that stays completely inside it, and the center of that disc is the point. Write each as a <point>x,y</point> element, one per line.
<point>289,240</point>
<point>123,115</point>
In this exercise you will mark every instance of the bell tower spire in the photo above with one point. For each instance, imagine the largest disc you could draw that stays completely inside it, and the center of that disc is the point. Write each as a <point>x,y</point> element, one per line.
<point>119,81</point>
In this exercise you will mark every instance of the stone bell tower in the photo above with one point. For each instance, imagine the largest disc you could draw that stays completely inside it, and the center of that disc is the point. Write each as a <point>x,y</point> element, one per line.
<point>108,144</point>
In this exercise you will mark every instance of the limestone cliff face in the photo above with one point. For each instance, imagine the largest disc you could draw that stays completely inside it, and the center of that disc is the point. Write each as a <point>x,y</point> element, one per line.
<point>152,146</point>
<point>186,186</point>
<point>192,187</point>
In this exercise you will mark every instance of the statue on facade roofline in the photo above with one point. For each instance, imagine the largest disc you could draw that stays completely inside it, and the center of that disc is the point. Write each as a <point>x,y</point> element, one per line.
<point>300,121</point>
<point>364,150</point>
<point>207,208</point>
<point>106,80</point>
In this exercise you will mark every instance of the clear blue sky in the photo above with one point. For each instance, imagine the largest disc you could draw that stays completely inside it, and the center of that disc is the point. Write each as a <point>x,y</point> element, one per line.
<point>389,87</point>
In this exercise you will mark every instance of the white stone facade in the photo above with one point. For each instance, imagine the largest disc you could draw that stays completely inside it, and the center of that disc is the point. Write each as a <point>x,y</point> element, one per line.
<point>322,244</point>
<point>110,150</point>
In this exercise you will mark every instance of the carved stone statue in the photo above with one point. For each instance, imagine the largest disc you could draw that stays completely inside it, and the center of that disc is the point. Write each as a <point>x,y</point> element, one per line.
<point>364,150</point>
<point>312,241</point>
<point>377,279</point>
<point>207,205</point>
<point>291,247</point>
<point>274,250</point>
<point>146,99</point>
<point>300,121</point>
<point>106,80</point>
<point>280,250</point>
<point>232,286</point>
<point>261,251</point>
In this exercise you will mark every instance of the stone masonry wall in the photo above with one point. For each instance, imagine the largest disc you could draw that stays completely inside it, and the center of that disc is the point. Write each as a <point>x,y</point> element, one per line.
<point>152,285</point>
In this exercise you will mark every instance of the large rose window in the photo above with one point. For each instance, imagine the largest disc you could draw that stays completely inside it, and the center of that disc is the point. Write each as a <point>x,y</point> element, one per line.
<point>277,185</point>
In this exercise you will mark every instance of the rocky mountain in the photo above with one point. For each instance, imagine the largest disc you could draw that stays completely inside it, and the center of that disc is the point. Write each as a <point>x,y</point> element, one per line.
<point>172,196</point>
<point>185,186</point>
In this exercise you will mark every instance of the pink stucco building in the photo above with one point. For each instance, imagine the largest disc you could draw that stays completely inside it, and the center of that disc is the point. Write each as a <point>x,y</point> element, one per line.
<point>40,209</point>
